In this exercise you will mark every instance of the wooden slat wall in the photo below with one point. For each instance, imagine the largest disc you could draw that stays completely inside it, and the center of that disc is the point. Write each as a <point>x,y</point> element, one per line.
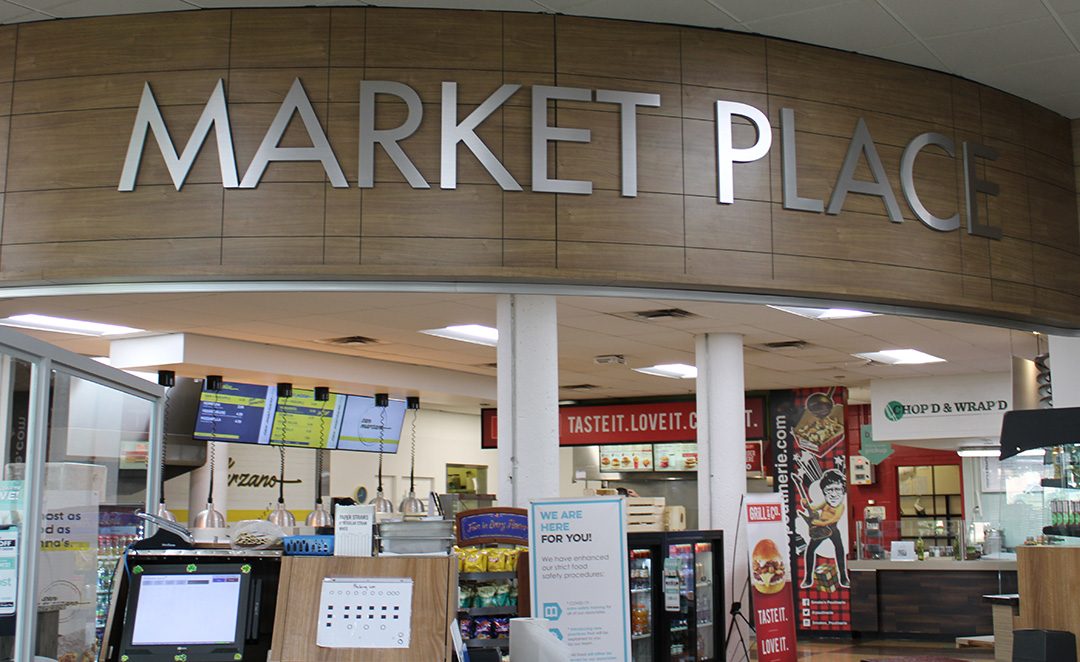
<point>69,90</point>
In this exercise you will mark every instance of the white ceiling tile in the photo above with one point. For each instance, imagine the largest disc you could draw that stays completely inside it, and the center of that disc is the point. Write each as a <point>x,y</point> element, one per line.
<point>10,12</point>
<point>76,8</point>
<point>855,26</point>
<point>504,5</point>
<point>980,51</point>
<point>1065,6</point>
<point>1029,80</point>
<point>1072,23</point>
<point>219,4</point>
<point>911,52</point>
<point>754,10</point>
<point>933,18</point>
<point>680,12</point>
<point>1066,104</point>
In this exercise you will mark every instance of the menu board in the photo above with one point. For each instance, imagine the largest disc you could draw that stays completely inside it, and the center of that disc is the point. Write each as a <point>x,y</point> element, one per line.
<point>253,414</point>
<point>301,420</point>
<point>676,457</point>
<point>235,412</point>
<point>627,457</point>
<point>361,421</point>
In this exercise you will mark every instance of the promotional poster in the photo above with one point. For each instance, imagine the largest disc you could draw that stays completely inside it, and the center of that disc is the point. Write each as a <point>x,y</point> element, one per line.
<point>770,577</point>
<point>809,451</point>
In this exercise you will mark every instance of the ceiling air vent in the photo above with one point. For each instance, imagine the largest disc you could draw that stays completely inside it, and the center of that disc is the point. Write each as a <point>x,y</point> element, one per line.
<point>786,344</point>
<point>661,314</point>
<point>579,387</point>
<point>350,341</point>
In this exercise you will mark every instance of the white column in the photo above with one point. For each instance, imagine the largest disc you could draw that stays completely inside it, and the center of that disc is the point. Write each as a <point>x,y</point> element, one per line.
<point>1065,371</point>
<point>721,440</point>
<point>528,388</point>
<point>200,482</point>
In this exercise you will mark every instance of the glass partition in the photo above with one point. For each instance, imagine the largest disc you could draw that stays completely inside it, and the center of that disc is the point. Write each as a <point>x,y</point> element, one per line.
<point>80,445</point>
<point>15,380</point>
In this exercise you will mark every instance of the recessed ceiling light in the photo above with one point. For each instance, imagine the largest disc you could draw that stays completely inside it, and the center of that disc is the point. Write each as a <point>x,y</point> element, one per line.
<point>900,357</point>
<point>979,451</point>
<point>64,325</point>
<point>474,333</point>
<point>672,370</point>
<point>825,313</point>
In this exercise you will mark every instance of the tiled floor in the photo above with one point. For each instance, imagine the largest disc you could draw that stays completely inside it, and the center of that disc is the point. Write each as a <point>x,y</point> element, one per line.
<point>856,651</point>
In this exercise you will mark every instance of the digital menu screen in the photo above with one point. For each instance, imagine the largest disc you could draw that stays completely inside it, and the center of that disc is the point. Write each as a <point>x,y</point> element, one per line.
<point>253,414</point>
<point>362,420</point>
<point>235,412</point>
<point>676,457</point>
<point>626,457</point>
<point>301,420</point>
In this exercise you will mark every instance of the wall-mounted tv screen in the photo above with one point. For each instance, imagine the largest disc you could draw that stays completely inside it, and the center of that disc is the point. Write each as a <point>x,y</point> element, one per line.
<point>254,414</point>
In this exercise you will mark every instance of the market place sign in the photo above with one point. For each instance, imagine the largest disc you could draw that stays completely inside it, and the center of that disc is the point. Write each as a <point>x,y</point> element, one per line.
<point>215,115</point>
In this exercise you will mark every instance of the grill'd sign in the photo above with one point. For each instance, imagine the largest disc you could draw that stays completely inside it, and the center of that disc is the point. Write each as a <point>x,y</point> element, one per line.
<point>215,116</point>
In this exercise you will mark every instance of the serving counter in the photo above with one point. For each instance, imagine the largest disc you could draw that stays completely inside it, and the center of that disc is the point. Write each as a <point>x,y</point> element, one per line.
<point>931,597</point>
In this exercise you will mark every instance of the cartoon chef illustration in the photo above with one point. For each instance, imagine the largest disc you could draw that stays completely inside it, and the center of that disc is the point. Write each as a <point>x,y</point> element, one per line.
<point>823,520</point>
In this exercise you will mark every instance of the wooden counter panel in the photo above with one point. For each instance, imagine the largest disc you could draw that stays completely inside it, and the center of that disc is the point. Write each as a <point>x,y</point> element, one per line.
<point>529,253</point>
<point>936,602</point>
<point>1012,260</point>
<point>423,252</point>
<point>296,618</point>
<point>1049,580</point>
<point>737,269</point>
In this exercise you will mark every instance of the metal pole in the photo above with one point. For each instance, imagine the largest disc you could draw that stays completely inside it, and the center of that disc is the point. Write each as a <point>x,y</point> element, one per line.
<point>155,475</point>
<point>33,498</point>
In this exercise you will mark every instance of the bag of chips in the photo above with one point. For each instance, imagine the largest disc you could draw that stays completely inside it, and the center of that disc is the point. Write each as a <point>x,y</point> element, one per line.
<point>474,560</point>
<point>483,627</point>
<point>466,625</point>
<point>496,559</point>
<point>466,595</point>
<point>502,594</point>
<point>500,627</point>
<point>485,596</point>
<point>512,597</point>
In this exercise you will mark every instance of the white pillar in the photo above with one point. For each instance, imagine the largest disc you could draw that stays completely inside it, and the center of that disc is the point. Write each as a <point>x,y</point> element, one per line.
<point>1065,371</point>
<point>721,441</point>
<point>528,388</point>
<point>200,482</point>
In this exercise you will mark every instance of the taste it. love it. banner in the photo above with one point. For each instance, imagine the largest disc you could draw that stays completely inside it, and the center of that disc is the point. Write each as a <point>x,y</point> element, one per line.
<point>770,577</point>
<point>653,422</point>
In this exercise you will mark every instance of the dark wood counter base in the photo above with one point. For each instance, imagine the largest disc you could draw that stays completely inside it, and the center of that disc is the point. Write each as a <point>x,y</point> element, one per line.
<point>926,602</point>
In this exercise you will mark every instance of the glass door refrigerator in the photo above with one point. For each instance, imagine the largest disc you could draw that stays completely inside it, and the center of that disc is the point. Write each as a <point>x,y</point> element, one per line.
<point>676,588</point>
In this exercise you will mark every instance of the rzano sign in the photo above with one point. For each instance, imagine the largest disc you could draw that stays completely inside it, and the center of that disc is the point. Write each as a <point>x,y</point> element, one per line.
<point>215,115</point>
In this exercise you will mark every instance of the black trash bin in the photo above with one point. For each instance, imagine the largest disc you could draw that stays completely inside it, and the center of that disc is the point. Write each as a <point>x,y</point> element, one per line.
<point>1043,646</point>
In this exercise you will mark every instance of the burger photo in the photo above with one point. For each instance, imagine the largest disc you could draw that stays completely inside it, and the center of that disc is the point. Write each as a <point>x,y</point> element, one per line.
<point>767,568</point>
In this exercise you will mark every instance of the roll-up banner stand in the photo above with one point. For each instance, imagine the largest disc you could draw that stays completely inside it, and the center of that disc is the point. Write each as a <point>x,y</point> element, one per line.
<point>580,583</point>
<point>810,455</point>
<point>770,577</point>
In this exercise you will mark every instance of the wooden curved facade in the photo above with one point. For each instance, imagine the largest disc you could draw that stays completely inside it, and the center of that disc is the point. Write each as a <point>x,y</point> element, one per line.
<point>69,91</point>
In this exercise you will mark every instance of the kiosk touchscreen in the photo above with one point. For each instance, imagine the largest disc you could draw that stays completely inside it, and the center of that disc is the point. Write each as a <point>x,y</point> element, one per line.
<point>199,611</point>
